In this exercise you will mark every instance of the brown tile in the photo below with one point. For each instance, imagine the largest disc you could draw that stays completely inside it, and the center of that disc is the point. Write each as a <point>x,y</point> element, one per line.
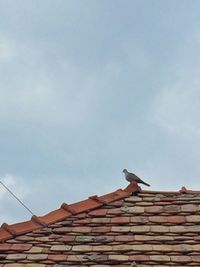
<point>158,219</point>
<point>118,257</point>
<point>180,259</point>
<point>60,248</point>
<point>120,229</point>
<point>37,257</point>
<point>35,250</point>
<point>133,210</point>
<point>67,238</point>
<point>82,248</point>
<point>63,230</point>
<point>168,199</point>
<point>185,229</point>
<point>82,229</point>
<point>98,212</point>
<point>195,258</point>
<point>142,247</point>
<point>83,221</point>
<point>57,257</point>
<point>16,257</point>
<point>154,209</point>
<point>100,220</point>
<point>125,238</point>
<point>196,247</point>
<point>14,265</point>
<point>172,209</point>
<point>122,248</point>
<point>176,219</point>
<point>162,248</point>
<point>160,228</point>
<point>140,229</point>
<point>139,258</point>
<point>20,247</point>
<point>133,199</point>
<point>159,258</point>
<point>120,220</point>
<point>193,218</point>
<point>101,229</point>
<point>5,247</point>
<point>139,219</point>
<point>76,258</point>
<point>116,211</point>
<point>102,248</point>
<point>190,208</point>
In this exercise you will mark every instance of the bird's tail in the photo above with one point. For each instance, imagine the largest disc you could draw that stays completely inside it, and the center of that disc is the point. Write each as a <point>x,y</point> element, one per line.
<point>145,183</point>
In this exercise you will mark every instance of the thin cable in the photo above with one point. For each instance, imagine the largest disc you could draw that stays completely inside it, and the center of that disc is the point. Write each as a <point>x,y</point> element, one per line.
<point>17,198</point>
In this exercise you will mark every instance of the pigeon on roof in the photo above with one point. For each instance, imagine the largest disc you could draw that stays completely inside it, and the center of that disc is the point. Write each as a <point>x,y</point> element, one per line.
<point>131,177</point>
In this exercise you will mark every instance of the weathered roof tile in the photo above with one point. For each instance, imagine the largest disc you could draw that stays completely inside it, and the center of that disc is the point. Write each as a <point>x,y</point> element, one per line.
<point>153,229</point>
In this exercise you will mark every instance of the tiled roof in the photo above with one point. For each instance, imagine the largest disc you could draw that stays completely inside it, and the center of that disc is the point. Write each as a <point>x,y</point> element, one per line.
<point>150,228</point>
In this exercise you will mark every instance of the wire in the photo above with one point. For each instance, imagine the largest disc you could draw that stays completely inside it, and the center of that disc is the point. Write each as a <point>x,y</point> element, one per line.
<point>16,198</point>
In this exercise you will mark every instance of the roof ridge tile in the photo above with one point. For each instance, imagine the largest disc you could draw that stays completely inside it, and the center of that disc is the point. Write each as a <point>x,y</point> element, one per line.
<point>38,220</point>
<point>7,228</point>
<point>133,188</point>
<point>68,208</point>
<point>96,198</point>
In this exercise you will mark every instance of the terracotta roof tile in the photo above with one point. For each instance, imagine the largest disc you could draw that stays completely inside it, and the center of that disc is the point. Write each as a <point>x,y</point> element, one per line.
<point>20,247</point>
<point>4,247</point>
<point>55,215</point>
<point>85,205</point>
<point>20,228</point>
<point>151,228</point>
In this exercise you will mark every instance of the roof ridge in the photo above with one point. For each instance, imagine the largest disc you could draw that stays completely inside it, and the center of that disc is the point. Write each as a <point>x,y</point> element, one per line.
<point>65,210</point>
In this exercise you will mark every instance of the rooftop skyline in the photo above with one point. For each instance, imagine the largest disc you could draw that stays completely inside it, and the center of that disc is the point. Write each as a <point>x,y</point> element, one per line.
<point>88,88</point>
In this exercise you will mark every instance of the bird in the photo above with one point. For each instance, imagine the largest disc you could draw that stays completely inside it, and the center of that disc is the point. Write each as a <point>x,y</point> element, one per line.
<point>131,177</point>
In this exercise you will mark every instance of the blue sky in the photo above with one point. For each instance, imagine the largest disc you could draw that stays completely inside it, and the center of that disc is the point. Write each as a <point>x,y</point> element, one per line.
<point>90,87</point>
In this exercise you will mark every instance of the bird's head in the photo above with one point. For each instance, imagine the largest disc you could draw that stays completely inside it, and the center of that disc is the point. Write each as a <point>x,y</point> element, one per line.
<point>124,170</point>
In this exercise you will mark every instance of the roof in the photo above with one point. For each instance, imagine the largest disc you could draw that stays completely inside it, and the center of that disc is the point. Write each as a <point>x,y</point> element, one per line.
<point>150,228</point>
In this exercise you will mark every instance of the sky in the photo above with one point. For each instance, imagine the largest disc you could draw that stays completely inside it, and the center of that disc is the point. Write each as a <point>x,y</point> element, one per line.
<point>90,87</point>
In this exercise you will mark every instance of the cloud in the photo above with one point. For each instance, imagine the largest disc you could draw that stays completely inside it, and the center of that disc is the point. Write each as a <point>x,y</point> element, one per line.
<point>59,95</point>
<point>175,108</point>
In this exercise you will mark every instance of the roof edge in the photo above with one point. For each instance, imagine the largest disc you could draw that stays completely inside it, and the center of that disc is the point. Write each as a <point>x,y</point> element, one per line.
<point>65,211</point>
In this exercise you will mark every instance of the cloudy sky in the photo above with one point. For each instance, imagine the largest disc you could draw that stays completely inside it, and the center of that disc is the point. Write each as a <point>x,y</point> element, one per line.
<point>89,87</point>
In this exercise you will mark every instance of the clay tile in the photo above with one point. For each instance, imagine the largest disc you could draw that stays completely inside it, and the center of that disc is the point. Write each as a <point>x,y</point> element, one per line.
<point>20,247</point>
<point>183,190</point>
<point>55,215</point>
<point>6,227</point>
<point>133,188</point>
<point>85,205</point>
<point>67,207</point>
<point>38,220</point>
<point>96,198</point>
<point>4,247</point>
<point>4,235</point>
<point>117,195</point>
<point>24,227</point>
